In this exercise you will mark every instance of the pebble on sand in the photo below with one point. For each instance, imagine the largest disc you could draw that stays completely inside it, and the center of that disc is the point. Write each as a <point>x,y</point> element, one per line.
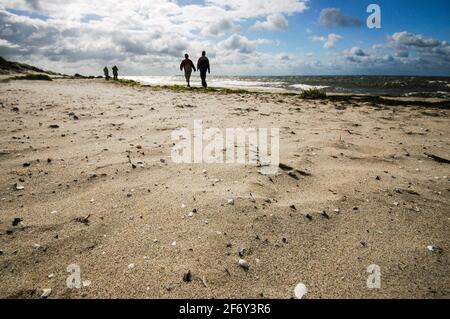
<point>300,290</point>
<point>244,264</point>
<point>46,292</point>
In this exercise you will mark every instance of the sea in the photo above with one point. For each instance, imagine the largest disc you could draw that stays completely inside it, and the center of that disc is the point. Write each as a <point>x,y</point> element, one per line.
<point>405,86</point>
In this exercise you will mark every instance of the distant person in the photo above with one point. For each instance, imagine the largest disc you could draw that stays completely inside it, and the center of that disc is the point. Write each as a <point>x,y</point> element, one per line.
<point>115,70</point>
<point>188,66</point>
<point>203,66</point>
<point>106,73</point>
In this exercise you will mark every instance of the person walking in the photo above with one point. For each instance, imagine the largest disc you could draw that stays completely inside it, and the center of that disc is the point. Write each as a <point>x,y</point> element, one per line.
<point>203,66</point>
<point>106,73</point>
<point>115,70</point>
<point>188,66</point>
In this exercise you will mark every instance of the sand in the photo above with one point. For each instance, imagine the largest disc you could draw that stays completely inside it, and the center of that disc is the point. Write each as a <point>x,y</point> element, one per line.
<point>83,202</point>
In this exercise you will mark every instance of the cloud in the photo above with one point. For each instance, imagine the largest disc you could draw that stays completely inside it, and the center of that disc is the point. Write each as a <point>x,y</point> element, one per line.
<point>242,44</point>
<point>358,52</point>
<point>329,41</point>
<point>273,22</point>
<point>145,37</point>
<point>332,17</point>
<point>414,40</point>
<point>218,28</point>
<point>408,44</point>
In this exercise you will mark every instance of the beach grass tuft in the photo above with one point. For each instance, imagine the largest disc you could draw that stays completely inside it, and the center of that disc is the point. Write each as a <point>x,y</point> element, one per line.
<point>33,76</point>
<point>313,94</point>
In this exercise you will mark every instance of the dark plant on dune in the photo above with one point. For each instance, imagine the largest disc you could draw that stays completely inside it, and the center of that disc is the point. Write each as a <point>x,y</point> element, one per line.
<point>313,94</point>
<point>33,76</point>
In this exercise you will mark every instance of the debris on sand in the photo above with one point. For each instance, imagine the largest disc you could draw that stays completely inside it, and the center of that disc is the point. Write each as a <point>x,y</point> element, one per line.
<point>244,264</point>
<point>292,172</point>
<point>438,158</point>
<point>17,221</point>
<point>19,187</point>
<point>300,290</point>
<point>293,175</point>
<point>435,249</point>
<point>187,277</point>
<point>46,292</point>
<point>83,220</point>
<point>204,282</point>
<point>53,126</point>
<point>325,215</point>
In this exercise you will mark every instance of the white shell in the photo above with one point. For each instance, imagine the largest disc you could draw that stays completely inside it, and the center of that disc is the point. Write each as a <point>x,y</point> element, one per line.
<point>46,292</point>
<point>244,264</point>
<point>300,290</point>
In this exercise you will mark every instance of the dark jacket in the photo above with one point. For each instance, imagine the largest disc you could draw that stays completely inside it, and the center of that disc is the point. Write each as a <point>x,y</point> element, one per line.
<point>203,64</point>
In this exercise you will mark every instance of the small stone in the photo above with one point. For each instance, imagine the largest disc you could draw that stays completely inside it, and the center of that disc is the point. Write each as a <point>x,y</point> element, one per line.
<point>131,266</point>
<point>435,249</point>
<point>204,171</point>
<point>17,221</point>
<point>337,210</point>
<point>300,290</point>
<point>231,201</point>
<point>190,214</point>
<point>187,277</point>
<point>325,215</point>
<point>53,212</point>
<point>86,283</point>
<point>46,292</point>
<point>174,243</point>
<point>51,276</point>
<point>244,264</point>
<point>19,187</point>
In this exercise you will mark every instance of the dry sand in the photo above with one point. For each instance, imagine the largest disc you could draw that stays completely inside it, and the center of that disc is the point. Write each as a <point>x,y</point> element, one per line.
<point>135,214</point>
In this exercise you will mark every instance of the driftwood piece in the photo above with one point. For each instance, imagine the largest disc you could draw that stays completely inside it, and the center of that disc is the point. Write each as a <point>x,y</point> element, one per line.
<point>438,158</point>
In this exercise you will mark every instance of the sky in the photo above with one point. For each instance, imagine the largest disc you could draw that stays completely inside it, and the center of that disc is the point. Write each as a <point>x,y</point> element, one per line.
<point>241,37</point>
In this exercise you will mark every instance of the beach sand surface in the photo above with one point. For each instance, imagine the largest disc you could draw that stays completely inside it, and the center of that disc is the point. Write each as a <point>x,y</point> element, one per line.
<point>87,179</point>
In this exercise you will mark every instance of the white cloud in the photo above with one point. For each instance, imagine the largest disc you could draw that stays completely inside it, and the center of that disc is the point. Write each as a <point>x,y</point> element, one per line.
<point>142,36</point>
<point>328,42</point>
<point>242,44</point>
<point>273,22</point>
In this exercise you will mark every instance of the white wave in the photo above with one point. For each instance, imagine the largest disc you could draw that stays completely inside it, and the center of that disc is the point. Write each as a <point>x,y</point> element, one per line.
<point>305,87</point>
<point>212,82</point>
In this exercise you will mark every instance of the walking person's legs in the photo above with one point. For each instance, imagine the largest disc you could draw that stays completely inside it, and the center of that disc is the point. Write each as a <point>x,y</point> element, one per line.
<point>187,75</point>
<point>203,77</point>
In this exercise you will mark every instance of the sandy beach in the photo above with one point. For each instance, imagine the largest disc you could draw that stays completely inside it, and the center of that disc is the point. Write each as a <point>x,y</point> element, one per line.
<point>87,179</point>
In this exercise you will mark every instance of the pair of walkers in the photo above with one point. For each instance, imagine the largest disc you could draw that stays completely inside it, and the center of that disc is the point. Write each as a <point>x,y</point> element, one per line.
<point>115,70</point>
<point>202,66</point>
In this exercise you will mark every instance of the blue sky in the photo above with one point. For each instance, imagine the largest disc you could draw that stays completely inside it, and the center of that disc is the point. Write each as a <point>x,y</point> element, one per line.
<point>270,37</point>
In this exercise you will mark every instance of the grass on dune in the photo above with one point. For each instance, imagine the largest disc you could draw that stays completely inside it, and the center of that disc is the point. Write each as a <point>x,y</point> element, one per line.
<point>33,76</point>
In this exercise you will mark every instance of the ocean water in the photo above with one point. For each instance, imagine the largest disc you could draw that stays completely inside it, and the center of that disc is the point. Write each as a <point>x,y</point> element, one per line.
<point>378,85</point>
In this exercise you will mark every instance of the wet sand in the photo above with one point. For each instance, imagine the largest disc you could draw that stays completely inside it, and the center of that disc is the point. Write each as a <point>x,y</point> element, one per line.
<point>100,191</point>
